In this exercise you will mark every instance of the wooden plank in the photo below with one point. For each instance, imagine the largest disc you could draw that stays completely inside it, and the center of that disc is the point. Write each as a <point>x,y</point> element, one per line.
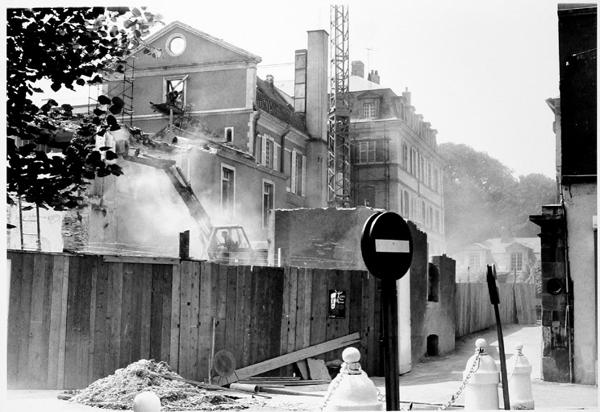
<point>136,311</point>
<point>126,325</point>
<point>300,309</point>
<point>165,342</point>
<point>240,327</point>
<point>365,327</point>
<point>92,263</point>
<point>273,310</point>
<point>25,318</point>
<point>195,317</point>
<point>55,320</point>
<point>140,260</point>
<point>115,297</point>
<point>293,311</point>
<point>206,314</point>
<point>63,323</point>
<point>354,302</point>
<point>307,306</point>
<point>34,377</point>
<point>230,310</point>
<point>320,302</point>
<point>145,283</point>
<point>247,315</point>
<point>156,313</point>
<point>175,310</point>
<point>311,351</point>
<point>317,369</point>
<point>14,318</point>
<point>254,304</point>
<point>285,312</point>
<point>302,366</point>
<point>101,326</point>
<point>48,272</point>
<point>185,319</point>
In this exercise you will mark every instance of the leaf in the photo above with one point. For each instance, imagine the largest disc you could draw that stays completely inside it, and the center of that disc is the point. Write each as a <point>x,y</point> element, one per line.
<point>111,120</point>
<point>80,82</point>
<point>9,226</point>
<point>55,86</point>
<point>136,12</point>
<point>102,99</point>
<point>114,109</point>
<point>116,100</point>
<point>99,112</point>
<point>110,155</point>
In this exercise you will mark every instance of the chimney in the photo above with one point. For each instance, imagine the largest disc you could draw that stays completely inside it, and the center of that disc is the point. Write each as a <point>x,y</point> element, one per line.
<point>406,95</point>
<point>300,81</point>
<point>373,77</point>
<point>269,79</point>
<point>317,84</point>
<point>358,69</point>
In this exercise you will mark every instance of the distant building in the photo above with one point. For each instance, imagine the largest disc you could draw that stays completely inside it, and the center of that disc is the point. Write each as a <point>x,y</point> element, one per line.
<point>515,259</point>
<point>395,162</point>
<point>569,229</point>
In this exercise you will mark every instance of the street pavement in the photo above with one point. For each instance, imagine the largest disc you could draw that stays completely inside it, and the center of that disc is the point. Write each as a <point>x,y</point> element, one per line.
<point>429,384</point>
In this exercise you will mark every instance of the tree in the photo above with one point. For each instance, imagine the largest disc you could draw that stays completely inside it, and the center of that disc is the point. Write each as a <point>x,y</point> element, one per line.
<point>481,196</point>
<point>68,47</point>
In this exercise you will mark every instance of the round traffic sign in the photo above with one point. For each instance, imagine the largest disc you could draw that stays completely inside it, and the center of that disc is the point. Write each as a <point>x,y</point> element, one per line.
<point>386,245</point>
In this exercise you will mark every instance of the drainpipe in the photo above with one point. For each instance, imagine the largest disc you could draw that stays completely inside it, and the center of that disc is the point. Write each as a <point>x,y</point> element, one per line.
<point>254,116</point>
<point>568,293</point>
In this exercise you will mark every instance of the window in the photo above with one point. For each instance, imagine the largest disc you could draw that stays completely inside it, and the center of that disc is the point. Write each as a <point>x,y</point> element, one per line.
<point>174,90</point>
<point>429,216</point>
<point>436,222</point>
<point>516,261</point>
<point>269,152</point>
<point>422,211</point>
<point>413,162</point>
<point>429,174</point>
<point>228,134</point>
<point>406,208</point>
<point>436,177</point>
<point>227,190</point>
<point>421,168</point>
<point>474,261</point>
<point>369,110</point>
<point>371,151</point>
<point>268,196</point>
<point>405,156</point>
<point>298,173</point>
<point>176,44</point>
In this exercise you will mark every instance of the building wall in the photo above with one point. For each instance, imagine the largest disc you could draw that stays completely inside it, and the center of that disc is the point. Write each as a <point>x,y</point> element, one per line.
<point>581,206</point>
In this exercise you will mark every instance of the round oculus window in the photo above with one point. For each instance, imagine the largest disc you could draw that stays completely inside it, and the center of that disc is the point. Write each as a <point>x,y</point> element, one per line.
<point>176,44</point>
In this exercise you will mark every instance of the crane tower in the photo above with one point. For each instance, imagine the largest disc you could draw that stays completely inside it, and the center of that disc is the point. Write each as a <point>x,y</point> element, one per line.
<point>338,129</point>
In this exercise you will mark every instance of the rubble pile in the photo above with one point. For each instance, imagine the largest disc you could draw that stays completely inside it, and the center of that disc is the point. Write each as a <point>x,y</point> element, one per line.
<point>118,390</point>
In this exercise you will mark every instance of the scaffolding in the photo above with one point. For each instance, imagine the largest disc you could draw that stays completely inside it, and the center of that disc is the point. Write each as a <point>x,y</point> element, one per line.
<point>121,85</point>
<point>338,130</point>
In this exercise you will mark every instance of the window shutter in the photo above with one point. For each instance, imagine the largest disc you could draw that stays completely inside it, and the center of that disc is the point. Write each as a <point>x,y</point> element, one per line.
<point>303,188</point>
<point>276,151</point>
<point>263,155</point>
<point>293,177</point>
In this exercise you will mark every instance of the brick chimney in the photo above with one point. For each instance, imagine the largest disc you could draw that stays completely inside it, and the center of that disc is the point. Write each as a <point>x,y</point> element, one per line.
<point>317,102</point>
<point>269,79</point>
<point>358,69</point>
<point>373,77</point>
<point>406,95</point>
<point>300,81</point>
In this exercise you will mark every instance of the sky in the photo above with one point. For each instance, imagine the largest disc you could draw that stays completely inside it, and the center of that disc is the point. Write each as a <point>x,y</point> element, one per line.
<point>478,71</point>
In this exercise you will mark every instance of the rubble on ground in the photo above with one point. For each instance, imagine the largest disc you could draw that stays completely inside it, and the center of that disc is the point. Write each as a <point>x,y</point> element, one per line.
<point>118,390</point>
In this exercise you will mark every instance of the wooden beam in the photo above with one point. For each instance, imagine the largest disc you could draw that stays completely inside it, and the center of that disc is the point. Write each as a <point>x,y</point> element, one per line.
<point>140,259</point>
<point>295,356</point>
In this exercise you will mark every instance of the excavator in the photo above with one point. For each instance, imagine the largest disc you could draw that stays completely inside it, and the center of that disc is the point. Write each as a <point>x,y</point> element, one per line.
<point>223,243</point>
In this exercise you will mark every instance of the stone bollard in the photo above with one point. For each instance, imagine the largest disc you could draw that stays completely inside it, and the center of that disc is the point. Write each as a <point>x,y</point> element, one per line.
<point>481,390</point>
<point>146,402</point>
<point>519,382</point>
<point>351,390</point>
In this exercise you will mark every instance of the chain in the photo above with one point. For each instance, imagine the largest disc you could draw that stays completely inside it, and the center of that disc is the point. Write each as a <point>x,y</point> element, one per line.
<point>335,383</point>
<point>463,384</point>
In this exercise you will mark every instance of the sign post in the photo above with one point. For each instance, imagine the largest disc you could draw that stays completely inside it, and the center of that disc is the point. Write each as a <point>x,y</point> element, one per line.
<point>387,249</point>
<point>495,299</point>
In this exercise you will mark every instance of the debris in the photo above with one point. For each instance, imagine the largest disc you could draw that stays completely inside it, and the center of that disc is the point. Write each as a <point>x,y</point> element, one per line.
<point>318,370</point>
<point>118,390</point>
<point>295,356</point>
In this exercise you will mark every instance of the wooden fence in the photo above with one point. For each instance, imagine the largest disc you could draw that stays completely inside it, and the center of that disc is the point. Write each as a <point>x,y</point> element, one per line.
<point>76,318</point>
<point>474,311</point>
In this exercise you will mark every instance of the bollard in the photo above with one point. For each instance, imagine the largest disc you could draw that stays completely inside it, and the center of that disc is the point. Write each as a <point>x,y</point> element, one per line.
<point>146,402</point>
<point>519,382</point>
<point>481,390</point>
<point>351,390</point>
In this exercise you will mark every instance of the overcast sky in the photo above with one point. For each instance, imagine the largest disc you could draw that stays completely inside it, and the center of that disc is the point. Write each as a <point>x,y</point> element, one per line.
<point>479,71</point>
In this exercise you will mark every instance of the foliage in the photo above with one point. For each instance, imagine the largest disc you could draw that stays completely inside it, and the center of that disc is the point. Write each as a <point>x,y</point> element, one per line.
<point>482,197</point>
<point>68,47</point>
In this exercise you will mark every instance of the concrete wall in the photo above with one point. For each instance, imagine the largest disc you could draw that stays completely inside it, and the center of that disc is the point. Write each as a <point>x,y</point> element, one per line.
<point>580,204</point>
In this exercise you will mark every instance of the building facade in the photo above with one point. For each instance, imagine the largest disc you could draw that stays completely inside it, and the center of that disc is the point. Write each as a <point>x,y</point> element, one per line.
<point>568,230</point>
<point>237,138</point>
<point>395,162</point>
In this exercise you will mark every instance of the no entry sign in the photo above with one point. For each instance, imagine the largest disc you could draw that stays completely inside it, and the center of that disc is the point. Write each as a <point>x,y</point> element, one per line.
<point>386,245</point>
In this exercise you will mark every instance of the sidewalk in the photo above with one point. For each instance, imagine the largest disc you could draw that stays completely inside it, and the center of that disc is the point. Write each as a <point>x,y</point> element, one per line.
<point>435,380</point>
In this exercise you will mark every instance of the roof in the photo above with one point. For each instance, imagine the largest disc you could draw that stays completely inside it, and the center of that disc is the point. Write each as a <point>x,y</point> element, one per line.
<point>270,99</point>
<point>496,245</point>
<point>208,37</point>
<point>358,83</point>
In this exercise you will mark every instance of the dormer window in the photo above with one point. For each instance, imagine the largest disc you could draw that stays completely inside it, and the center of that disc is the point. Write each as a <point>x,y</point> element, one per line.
<point>369,110</point>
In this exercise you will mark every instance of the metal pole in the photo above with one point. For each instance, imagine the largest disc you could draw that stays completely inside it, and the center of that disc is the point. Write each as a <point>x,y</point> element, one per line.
<point>495,299</point>
<point>39,237</point>
<point>21,223</point>
<point>390,344</point>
